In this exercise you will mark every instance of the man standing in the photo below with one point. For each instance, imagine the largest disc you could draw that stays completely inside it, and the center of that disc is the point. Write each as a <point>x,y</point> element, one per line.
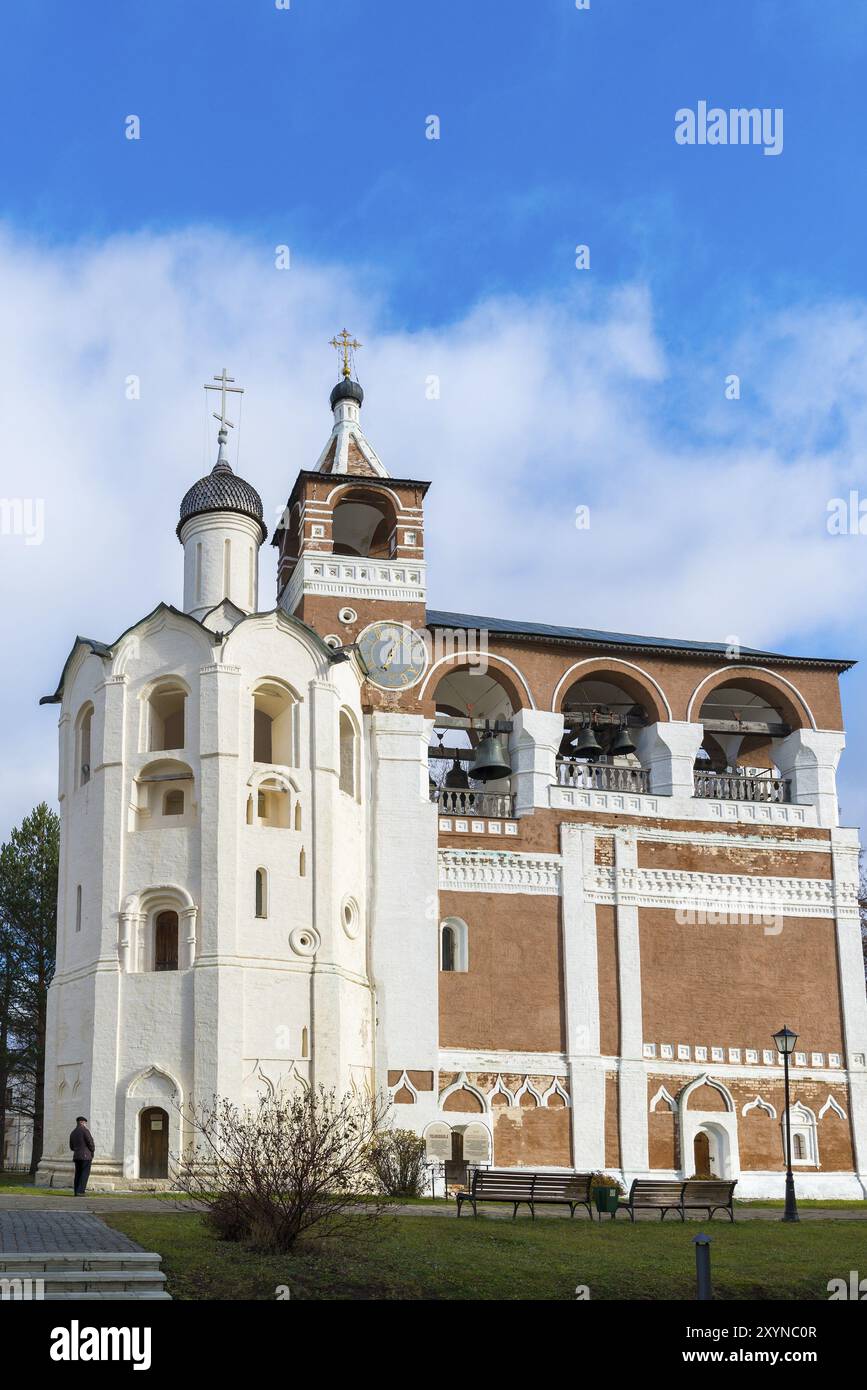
<point>81,1143</point>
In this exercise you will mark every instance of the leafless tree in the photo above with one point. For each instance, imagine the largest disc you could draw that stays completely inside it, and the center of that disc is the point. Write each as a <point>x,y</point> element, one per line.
<point>296,1162</point>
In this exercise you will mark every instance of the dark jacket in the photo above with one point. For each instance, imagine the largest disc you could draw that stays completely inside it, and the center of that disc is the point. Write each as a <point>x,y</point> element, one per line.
<point>81,1142</point>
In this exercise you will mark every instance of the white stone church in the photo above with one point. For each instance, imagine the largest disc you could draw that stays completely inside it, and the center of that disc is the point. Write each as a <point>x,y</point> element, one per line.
<point>264,880</point>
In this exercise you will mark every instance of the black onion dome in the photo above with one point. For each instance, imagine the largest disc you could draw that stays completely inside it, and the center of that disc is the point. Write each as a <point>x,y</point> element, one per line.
<point>347,390</point>
<point>222,491</point>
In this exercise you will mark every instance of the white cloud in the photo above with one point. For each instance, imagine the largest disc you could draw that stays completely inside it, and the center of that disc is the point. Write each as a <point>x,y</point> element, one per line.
<point>543,406</point>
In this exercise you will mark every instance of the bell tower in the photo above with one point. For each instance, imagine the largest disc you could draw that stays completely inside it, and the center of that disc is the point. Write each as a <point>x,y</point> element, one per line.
<point>351,538</point>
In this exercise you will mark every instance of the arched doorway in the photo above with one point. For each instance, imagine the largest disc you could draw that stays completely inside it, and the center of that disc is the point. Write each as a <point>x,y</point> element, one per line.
<point>153,1159</point>
<point>701,1155</point>
<point>166,941</point>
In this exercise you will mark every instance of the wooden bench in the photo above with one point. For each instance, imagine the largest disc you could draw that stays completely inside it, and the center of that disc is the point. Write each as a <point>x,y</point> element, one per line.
<point>696,1194</point>
<point>710,1195</point>
<point>519,1187</point>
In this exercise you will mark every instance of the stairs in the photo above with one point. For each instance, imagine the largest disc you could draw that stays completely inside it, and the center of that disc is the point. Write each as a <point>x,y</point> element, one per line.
<point>85,1275</point>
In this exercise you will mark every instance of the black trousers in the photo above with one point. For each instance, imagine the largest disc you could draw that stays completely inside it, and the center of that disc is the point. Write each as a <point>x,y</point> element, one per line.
<point>82,1173</point>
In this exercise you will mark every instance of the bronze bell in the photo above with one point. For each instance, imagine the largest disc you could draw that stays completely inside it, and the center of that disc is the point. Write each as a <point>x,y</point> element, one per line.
<point>586,744</point>
<point>490,763</point>
<point>622,743</point>
<point>456,779</point>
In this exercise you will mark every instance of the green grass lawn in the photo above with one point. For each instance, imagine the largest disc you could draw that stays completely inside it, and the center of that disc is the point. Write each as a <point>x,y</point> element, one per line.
<point>410,1257</point>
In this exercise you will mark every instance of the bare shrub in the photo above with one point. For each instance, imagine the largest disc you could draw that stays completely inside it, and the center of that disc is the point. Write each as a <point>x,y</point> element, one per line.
<point>297,1162</point>
<point>397,1159</point>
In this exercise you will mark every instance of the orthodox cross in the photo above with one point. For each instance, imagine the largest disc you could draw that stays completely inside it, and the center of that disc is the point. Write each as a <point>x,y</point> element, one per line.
<point>345,345</point>
<point>223,387</point>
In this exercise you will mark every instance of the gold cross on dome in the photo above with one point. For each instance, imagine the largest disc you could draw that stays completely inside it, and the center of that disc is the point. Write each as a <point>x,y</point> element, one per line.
<point>345,345</point>
<point>223,387</point>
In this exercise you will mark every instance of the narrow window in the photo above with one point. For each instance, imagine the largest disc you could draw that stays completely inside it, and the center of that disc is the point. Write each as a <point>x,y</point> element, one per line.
<point>302,863</point>
<point>227,566</point>
<point>297,815</point>
<point>261,893</point>
<point>83,752</point>
<point>798,1147</point>
<point>173,803</point>
<point>199,571</point>
<point>78,908</point>
<point>304,1043</point>
<point>261,805</point>
<point>166,941</point>
<point>348,758</point>
<point>166,719</point>
<point>449,948</point>
<point>252,575</point>
<point>261,737</point>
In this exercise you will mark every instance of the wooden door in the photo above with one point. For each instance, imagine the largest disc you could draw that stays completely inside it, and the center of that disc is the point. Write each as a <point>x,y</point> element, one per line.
<point>154,1144</point>
<point>701,1155</point>
<point>166,941</point>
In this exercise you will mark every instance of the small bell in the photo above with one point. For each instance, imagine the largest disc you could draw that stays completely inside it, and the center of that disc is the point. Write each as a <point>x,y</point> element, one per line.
<point>456,779</point>
<point>586,744</point>
<point>622,744</point>
<point>490,763</point>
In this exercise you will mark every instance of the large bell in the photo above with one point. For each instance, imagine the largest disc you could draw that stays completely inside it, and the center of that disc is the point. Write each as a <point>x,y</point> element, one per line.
<point>490,763</point>
<point>586,744</point>
<point>622,744</point>
<point>456,779</point>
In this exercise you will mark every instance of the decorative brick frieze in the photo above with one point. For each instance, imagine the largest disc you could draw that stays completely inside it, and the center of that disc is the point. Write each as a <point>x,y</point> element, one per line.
<point>495,871</point>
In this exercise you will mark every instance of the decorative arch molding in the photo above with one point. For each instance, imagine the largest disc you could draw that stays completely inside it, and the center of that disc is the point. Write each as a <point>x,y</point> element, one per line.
<point>613,665</point>
<point>706,1080</point>
<point>526,1088</point>
<point>500,1089</point>
<point>278,618</point>
<point>464,1084</point>
<point>159,895</point>
<point>170,678</point>
<point>662,1096</point>
<point>138,908</point>
<point>155,1072</point>
<point>725,675</point>
<point>760,1104</point>
<point>163,617</point>
<point>358,483</point>
<point>555,1089</point>
<point>284,685</point>
<point>496,664</point>
<point>153,1086</point>
<point>274,776</point>
<point>832,1104</point>
<point>404,1084</point>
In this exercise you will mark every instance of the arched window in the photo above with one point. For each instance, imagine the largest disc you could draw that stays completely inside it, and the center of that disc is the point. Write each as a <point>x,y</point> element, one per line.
<point>274,804</point>
<point>261,893</point>
<point>82,746</point>
<point>162,791</point>
<point>454,953</point>
<point>799,1148</point>
<point>304,1043</point>
<point>273,725</point>
<point>166,708</point>
<point>78,908</point>
<point>449,949</point>
<point>363,524</point>
<point>166,941</point>
<point>348,756</point>
<point>173,803</point>
<point>297,815</point>
<point>302,863</point>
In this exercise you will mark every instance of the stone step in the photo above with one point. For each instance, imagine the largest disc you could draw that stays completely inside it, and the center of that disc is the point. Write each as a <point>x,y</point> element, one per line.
<point>94,1280</point>
<point>91,1297</point>
<point>33,1262</point>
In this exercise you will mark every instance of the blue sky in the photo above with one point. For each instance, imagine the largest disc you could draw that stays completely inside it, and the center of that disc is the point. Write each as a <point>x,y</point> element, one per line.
<point>306,126</point>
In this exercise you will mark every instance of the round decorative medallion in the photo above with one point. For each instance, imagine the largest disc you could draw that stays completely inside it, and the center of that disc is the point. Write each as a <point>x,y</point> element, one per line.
<point>304,941</point>
<point>350,919</point>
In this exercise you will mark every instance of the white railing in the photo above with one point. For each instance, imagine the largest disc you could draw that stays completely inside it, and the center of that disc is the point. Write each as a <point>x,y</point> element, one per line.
<point>606,777</point>
<point>730,786</point>
<point>463,802</point>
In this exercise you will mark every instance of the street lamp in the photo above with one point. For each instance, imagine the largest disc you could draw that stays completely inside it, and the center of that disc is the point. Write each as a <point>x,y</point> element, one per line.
<point>785,1041</point>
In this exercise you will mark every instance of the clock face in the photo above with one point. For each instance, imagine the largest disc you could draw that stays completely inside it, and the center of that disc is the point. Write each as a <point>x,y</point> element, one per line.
<point>393,655</point>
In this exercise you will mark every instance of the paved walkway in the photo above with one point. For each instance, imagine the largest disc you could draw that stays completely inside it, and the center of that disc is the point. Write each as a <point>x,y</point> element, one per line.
<point>34,1230</point>
<point>156,1206</point>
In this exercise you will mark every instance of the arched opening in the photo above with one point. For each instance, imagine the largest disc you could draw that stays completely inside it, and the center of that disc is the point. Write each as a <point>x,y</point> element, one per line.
<point>166,718</point>
<point>604,715</point>
<point>302,863</point>
<point>297,815</point>
<point>448,952</point>
<point>744,722</point>
<point>83,739</point>
<point>305,1045</point>
<point>261,893</point>
<point>273,805</point>
<point>153,1143</point>
<point>348,755</point>
<point>363,524</point>
<point>273,725</point>
<point>469,766</point>
<point>162,795</point>
<point>166,941</point>
<point>701,1165</point>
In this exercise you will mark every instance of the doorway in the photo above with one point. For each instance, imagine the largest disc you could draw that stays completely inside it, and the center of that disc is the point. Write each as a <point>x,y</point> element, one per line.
<point>153,1143</point>
<point>701,1163</point>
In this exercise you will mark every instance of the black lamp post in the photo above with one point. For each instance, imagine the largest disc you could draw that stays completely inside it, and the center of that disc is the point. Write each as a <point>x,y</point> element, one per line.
<point>785,1041</point>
